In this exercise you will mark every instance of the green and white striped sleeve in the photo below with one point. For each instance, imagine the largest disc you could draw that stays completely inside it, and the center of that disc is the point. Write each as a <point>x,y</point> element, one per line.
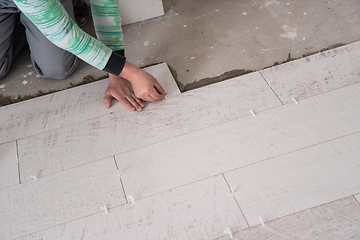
<point>107,23</point>
<point>50,17</point>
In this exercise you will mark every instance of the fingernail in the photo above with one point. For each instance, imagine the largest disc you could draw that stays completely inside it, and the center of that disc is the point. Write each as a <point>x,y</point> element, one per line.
<point>107,105</point>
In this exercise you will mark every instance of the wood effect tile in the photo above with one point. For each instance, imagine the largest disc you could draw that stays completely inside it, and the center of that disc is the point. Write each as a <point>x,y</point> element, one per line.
<point>67,107</point>
<point>299,180</point>
<point>56,199</point>
<point>315,74</point>
<point>238,143</point>
<point>115,133</point>
<point>9,173</point>
<point>201,210</point>
<point>335,220</point>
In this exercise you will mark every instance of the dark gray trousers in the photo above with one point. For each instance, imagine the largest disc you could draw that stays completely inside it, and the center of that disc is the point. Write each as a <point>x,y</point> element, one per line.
<point>16,30</point>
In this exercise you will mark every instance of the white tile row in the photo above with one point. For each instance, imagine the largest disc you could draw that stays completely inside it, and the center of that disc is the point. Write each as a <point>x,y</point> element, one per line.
<point>67,107</point>
<point>315,74</point>
<point>335,220</point>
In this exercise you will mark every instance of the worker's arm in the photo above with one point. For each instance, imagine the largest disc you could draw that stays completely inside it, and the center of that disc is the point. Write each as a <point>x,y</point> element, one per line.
<point>53,21</point>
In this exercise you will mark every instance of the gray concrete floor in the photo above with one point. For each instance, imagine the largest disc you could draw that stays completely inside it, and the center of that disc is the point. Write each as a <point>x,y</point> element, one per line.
<point>204,39</point>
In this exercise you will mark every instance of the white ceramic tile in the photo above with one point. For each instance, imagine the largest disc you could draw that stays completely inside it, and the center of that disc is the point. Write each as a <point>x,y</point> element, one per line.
<point>9,173</point>
<point>78,192</point>
<point>315,74</point>
<point>67,107</point>
<point>163,75</point>
<point>201,154</point>
<point>115,133</point>
<point>336,220</point>
<point>201,210</point>
<point>139,10</point>
<point>299,180</point>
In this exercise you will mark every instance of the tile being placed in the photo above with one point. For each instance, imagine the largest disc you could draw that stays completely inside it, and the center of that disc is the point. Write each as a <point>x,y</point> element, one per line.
<point>56,199</point>
<point>335,220</point>
<point>299,180</point>
<point>115,133</point>
<point>238,143</point>
<point>9,173</point>
<point>201,210</point>
<point>315,74</point>
<point>68,107</point>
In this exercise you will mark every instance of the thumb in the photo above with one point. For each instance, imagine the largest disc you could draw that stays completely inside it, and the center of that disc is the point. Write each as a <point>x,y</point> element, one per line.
<point>107,100</point>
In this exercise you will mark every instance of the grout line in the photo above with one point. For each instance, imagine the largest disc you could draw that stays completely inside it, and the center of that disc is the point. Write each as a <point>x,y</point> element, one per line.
<point>356,199</point>
<point>271,88</point>
<point>236,200</point>
<point>17,159</point>
<point>115,162</point>
<point>122,185</point>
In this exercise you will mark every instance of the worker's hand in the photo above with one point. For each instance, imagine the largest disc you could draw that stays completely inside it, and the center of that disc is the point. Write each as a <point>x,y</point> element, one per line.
<point>144,84</point>
<point>121,89</point>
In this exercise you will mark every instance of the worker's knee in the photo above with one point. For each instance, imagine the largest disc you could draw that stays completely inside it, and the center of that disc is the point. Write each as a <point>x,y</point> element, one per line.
<point>56,70</point>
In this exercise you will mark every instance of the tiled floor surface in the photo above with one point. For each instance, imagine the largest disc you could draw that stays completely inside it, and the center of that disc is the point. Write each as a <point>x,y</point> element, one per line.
<point>273,154</point>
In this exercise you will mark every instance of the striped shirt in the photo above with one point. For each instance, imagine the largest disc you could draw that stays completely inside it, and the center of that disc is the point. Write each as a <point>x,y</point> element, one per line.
<point>50,17</point>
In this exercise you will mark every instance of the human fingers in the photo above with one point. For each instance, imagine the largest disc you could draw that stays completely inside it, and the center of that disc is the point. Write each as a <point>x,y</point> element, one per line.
<point>125,102</point>
<point>154,94</point>
<point>134,101</point>
<point>159,88</point>
<point>107,100</point>
<point>141,103</point>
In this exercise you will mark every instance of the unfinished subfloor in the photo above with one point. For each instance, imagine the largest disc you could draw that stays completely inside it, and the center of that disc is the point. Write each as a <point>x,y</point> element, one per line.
<point>274,154</point>
<point>203,39</point>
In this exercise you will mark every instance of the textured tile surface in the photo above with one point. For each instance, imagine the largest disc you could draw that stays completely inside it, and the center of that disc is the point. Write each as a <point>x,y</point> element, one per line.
<point>9,173</point>
<point>119,132</point>
<point>68,107</point>
<point>335,220</point>
<point>201,210</point>
<point>315,74</point>
<point>56,199</point>
<point>214,150</point>
<point>299,180</point>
